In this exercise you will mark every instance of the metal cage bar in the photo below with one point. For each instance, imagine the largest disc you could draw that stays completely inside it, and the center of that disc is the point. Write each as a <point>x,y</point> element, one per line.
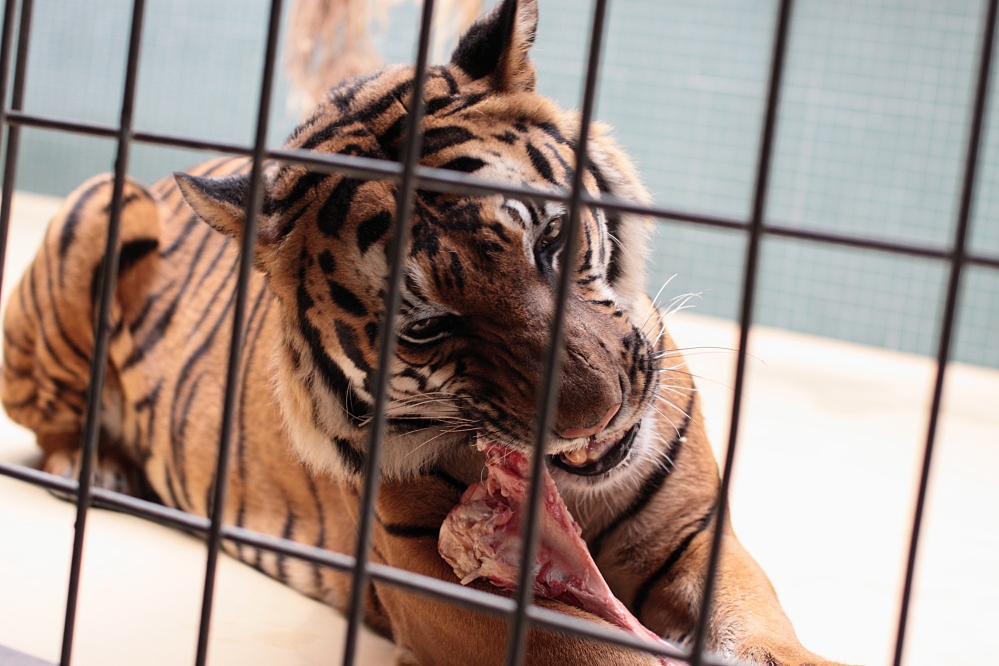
<point>16,102</point>
<point>246,254</point>
<point>408,175</point>
<point>767,137</point>
<point>552,365</point>
<point>410,155</point>
<point>102,328</point>
<point>957,261</point>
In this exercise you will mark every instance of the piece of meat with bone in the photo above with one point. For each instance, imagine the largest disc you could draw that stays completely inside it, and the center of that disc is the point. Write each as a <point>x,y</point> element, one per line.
<point>481,538</point>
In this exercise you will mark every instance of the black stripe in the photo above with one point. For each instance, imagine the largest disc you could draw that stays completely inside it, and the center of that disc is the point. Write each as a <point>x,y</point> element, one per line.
<point>343,93</point>
<point>389,139</point>
<point>20,403</point>
<point>368,112</point>
<point>250,348</point>
<point>372,229</point>
<point>466,102</point>
<point>403,424</point>
<point>643,591</point>
<point>412,531</point>
<point>13,343</point>
<point>288,225</point>
<point>55,308</point>
<point>193,222</point>
<point>346,300</point>
<point>448,479</point>
<point>437,139</point>
<point>68,232</point>
<point>541,163</point>
<point>334,210</point>
<point>163,322</point>
<point>150,403</point>
<point>347,338</point>
<point>174,499</point>
<point>306,182</point>
<point>133,251</point>
<point>57,358</point>
<point>436,104</point>
<point>652,484</point>
<point>587,263</point>
<point>464,163</point>
<point>333,377</point>
<point>178,442</point>
<point>327,262</point>
<point>11,371</point>
<point>286,533</point>
<point>317,574</point>
<point>181,419</point>
<point>506,137</point>
<point>553,131</point>
<point>613,225</point>
<point>442,72</point>
<point>353,458</point>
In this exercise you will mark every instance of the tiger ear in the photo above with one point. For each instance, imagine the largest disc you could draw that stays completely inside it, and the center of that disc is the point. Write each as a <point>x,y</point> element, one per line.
<point>496,46</point>
<point>221,202</point>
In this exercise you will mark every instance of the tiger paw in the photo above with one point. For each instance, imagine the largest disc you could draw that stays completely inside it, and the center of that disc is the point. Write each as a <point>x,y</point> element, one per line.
<point>780,653</point>
<point>107,472</point>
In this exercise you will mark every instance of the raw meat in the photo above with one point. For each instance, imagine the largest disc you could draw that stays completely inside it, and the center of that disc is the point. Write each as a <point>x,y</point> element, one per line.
<point>480,538</point>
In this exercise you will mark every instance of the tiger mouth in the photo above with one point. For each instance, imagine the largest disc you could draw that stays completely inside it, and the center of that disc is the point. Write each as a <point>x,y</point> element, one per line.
<point>592,459</point>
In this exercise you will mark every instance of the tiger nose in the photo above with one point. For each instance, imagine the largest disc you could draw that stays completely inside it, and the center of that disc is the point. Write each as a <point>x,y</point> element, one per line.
<point>573,433</point>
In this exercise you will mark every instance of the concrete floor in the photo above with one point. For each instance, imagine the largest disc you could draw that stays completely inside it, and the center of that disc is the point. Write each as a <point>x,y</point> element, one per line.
<point>829,452</point>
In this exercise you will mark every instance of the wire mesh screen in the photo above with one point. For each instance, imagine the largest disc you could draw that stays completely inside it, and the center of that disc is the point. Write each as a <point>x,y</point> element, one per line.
<point>772,220</point>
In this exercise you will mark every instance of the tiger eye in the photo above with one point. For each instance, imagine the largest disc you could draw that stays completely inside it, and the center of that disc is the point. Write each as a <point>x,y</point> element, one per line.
<point>552,231</point>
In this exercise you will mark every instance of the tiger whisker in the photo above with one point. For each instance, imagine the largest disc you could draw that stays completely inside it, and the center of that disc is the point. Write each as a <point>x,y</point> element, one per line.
<point>652,308</point>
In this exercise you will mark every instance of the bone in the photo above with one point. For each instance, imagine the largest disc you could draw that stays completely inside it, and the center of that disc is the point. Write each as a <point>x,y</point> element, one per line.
<point>480,538</point>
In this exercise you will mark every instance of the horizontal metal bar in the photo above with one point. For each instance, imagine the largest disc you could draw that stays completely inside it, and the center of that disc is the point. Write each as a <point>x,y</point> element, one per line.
<point>440,180</point>
<point>108,499</point>
<point>858,242</point>
<point>60,125</point>
<point>174,141</point>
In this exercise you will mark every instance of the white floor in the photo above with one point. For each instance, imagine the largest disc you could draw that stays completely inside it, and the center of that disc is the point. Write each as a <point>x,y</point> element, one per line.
<point>830,447</point>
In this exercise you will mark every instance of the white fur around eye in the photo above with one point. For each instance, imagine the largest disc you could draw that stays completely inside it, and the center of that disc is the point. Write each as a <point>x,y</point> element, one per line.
<point>519,210</point>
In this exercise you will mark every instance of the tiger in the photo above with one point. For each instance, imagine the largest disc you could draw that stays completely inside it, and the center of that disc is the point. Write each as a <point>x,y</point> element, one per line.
<point>472,330</point>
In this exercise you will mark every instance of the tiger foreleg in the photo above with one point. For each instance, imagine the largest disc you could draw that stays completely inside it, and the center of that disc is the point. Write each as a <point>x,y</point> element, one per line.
<point>657,562</point>
<point>429,631</point>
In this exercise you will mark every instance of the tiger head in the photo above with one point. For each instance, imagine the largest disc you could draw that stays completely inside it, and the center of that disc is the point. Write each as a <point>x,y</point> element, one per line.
<point>480,271</point>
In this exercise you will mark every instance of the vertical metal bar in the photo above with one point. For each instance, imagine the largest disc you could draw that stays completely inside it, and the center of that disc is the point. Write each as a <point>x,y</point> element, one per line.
<point>98,362</point>
<point>247,251</point>
<point>950,309</point>
<point>17,101</point>
<point>9,15</point>
<point>548,394</point>
<point>6,47</point>
<point>745,320</point>
<point>387,336</point>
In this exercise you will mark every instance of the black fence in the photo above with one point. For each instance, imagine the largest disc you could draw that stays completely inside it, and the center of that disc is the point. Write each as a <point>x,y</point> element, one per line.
<point>408,176</point>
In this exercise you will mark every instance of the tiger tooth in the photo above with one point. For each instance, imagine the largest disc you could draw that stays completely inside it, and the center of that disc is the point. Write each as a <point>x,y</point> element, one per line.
<point>576,456</point>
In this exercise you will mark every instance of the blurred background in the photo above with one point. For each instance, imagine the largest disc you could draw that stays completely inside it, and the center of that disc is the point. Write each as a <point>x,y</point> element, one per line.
<point>871,140</point>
